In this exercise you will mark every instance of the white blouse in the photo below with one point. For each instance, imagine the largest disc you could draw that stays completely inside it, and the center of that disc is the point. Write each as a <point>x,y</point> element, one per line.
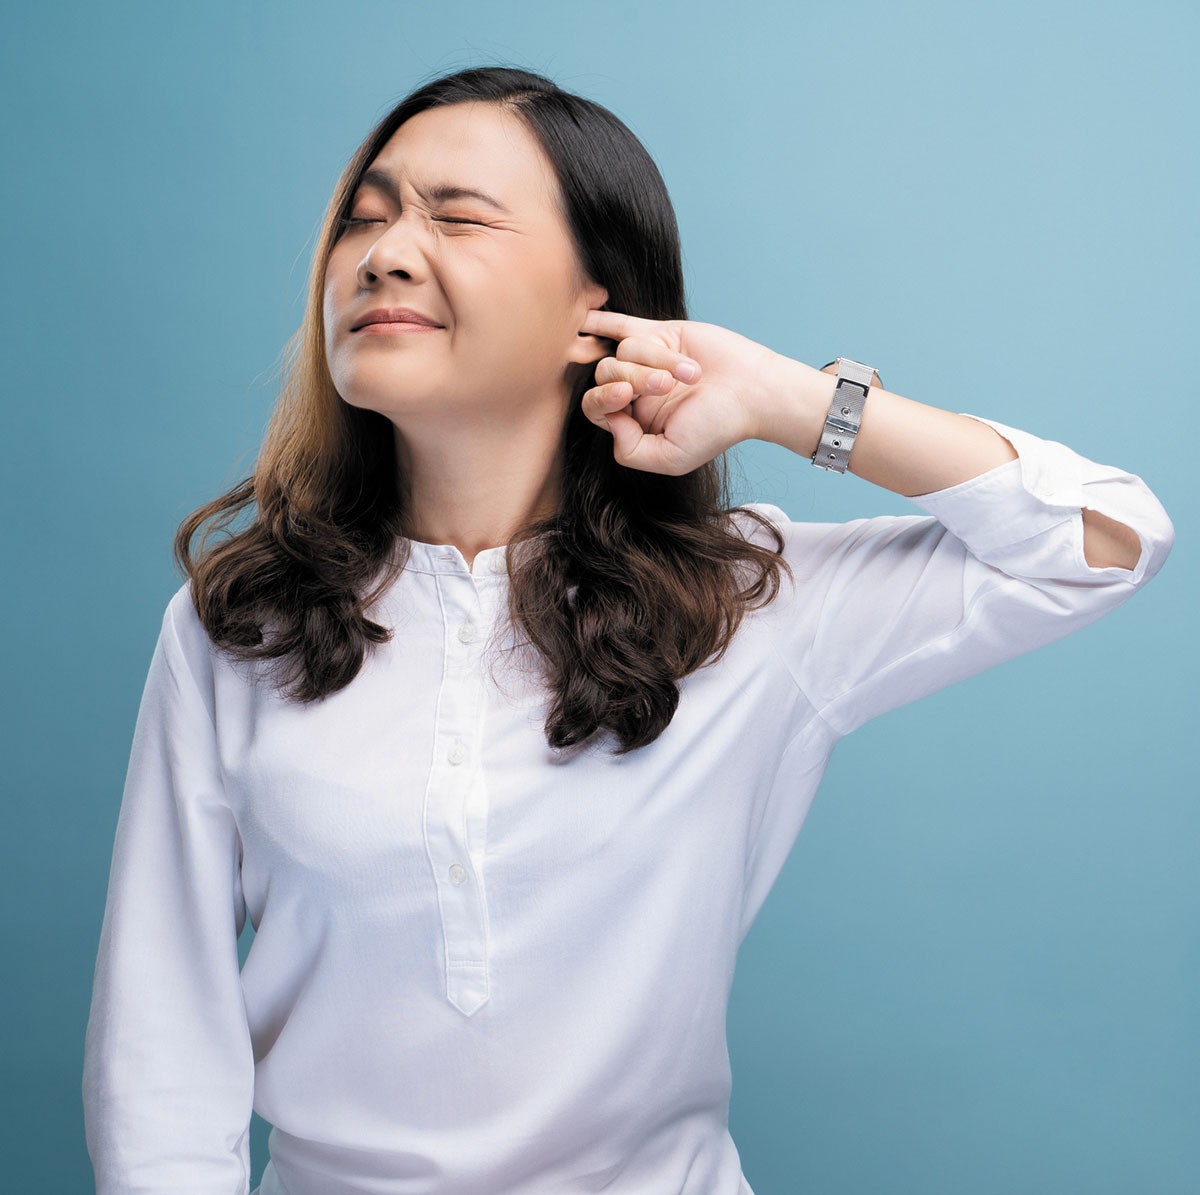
<point>478,969</point>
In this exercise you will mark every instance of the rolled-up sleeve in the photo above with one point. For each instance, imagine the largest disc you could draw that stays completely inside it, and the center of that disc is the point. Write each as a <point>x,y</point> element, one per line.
<point>168,1074</point>
<point>898,606</point>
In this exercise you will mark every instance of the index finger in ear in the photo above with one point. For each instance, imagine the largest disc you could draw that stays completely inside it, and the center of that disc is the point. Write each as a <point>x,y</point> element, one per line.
<point>613,325</point>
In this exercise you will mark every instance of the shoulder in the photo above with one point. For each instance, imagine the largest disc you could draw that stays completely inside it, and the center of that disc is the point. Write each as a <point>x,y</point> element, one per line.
<point>181,614</point>
<point>751,527</point>
<point>186,639</point>
<point>815,545</point>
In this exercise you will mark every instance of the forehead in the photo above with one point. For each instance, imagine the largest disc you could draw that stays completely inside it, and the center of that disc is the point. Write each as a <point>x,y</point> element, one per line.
<point>470,146</point>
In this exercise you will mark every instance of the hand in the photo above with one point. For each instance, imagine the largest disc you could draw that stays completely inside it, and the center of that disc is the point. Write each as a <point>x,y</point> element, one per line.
<point>662,419</point>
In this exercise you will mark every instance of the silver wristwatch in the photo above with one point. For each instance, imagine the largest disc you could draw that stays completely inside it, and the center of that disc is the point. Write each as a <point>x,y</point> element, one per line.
<point>854,379</point>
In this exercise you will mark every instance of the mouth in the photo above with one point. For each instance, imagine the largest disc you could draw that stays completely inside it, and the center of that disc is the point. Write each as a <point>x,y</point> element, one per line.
<point>395,328</point>
<point>393,317</point>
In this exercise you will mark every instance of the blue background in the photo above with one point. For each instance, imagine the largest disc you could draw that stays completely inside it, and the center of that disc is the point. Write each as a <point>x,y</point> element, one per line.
<point>978,972</point>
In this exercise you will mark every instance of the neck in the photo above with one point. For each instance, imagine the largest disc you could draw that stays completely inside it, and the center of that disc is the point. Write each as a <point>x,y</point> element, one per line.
<point>475,487</point>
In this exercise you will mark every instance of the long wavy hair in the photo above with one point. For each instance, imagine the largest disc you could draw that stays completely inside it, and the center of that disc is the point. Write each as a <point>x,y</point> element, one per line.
<point>636,580</point>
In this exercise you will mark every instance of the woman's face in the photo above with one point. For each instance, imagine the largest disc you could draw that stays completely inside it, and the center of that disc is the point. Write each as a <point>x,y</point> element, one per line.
<point>504,285</point>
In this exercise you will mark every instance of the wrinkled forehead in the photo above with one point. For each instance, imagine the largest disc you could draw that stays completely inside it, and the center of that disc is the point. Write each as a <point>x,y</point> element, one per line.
<point>455,150</point>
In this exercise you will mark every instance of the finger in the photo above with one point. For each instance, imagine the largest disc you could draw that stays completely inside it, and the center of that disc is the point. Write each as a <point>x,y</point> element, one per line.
<point>635,448</point>
<point>627,435</point>
<point>601,401</point>
<point>652,352</point>
<point>649,366</point>
<point>614,324</point>
<point>641,378</point>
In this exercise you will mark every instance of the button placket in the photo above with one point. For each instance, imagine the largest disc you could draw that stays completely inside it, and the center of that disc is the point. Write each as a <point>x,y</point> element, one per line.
<point>461,897</point>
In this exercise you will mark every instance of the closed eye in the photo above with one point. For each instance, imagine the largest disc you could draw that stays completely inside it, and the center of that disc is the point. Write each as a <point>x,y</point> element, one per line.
<point>349,221</point>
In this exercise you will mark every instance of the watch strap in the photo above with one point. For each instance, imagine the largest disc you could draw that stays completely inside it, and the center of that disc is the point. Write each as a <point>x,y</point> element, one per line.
<point>845,414</point>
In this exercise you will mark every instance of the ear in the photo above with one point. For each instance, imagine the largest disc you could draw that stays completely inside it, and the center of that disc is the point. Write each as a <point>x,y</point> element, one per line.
<point>587,348</point>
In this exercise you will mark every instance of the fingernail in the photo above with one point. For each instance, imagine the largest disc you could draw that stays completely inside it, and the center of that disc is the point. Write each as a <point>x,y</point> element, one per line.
<point>687,370</point>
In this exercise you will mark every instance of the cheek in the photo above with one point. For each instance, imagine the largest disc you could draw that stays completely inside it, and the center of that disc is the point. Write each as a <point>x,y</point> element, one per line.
<point>522,328</point>
<point>534,308</point>
<point>336,292</point>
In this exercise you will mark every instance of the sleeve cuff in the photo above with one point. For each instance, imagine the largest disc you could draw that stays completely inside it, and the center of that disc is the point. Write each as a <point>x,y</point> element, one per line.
<point>1045,488</point>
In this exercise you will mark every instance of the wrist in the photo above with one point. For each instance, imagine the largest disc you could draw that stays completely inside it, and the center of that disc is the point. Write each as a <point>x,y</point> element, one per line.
<point>794,403</point>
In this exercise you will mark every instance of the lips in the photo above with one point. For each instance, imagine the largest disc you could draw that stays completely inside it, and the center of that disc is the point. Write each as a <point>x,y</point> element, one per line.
<point>394,315</point>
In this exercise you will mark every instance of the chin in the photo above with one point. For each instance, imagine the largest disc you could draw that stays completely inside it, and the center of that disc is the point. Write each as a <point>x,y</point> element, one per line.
<point>391,401</point>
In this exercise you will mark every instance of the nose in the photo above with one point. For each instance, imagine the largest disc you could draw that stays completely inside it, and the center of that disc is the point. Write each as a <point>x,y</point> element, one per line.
<point>394,251</point>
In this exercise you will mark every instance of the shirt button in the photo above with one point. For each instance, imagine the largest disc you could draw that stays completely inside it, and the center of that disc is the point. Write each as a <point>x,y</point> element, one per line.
<point>457,752</point>
<point>458,873</point>
<point>466,632</point>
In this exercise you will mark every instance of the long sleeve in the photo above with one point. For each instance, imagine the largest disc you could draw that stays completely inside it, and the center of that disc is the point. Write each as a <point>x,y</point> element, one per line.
<point>168,1075</point>
<point>896,607</point>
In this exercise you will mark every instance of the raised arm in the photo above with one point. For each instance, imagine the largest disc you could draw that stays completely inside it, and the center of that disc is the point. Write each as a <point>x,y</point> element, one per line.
<point>1023,541</point>
<point>914,449</point>
<point>1003,561</point>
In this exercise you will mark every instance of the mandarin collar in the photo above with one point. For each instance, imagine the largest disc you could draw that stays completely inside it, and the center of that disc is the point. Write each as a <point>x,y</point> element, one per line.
<point>447,558</point>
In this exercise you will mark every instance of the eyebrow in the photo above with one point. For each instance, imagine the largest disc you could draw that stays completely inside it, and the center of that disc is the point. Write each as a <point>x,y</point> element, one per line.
<point>440,192</point>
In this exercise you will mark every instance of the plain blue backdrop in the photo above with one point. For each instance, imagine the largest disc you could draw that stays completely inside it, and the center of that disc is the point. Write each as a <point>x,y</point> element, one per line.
<point>978,973</point>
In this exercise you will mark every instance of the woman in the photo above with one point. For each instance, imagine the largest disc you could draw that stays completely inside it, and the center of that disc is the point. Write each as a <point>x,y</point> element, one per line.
<point>547,714</point>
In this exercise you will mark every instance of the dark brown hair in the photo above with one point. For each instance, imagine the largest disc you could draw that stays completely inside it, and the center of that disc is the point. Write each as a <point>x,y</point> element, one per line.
<point>634,582</point>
